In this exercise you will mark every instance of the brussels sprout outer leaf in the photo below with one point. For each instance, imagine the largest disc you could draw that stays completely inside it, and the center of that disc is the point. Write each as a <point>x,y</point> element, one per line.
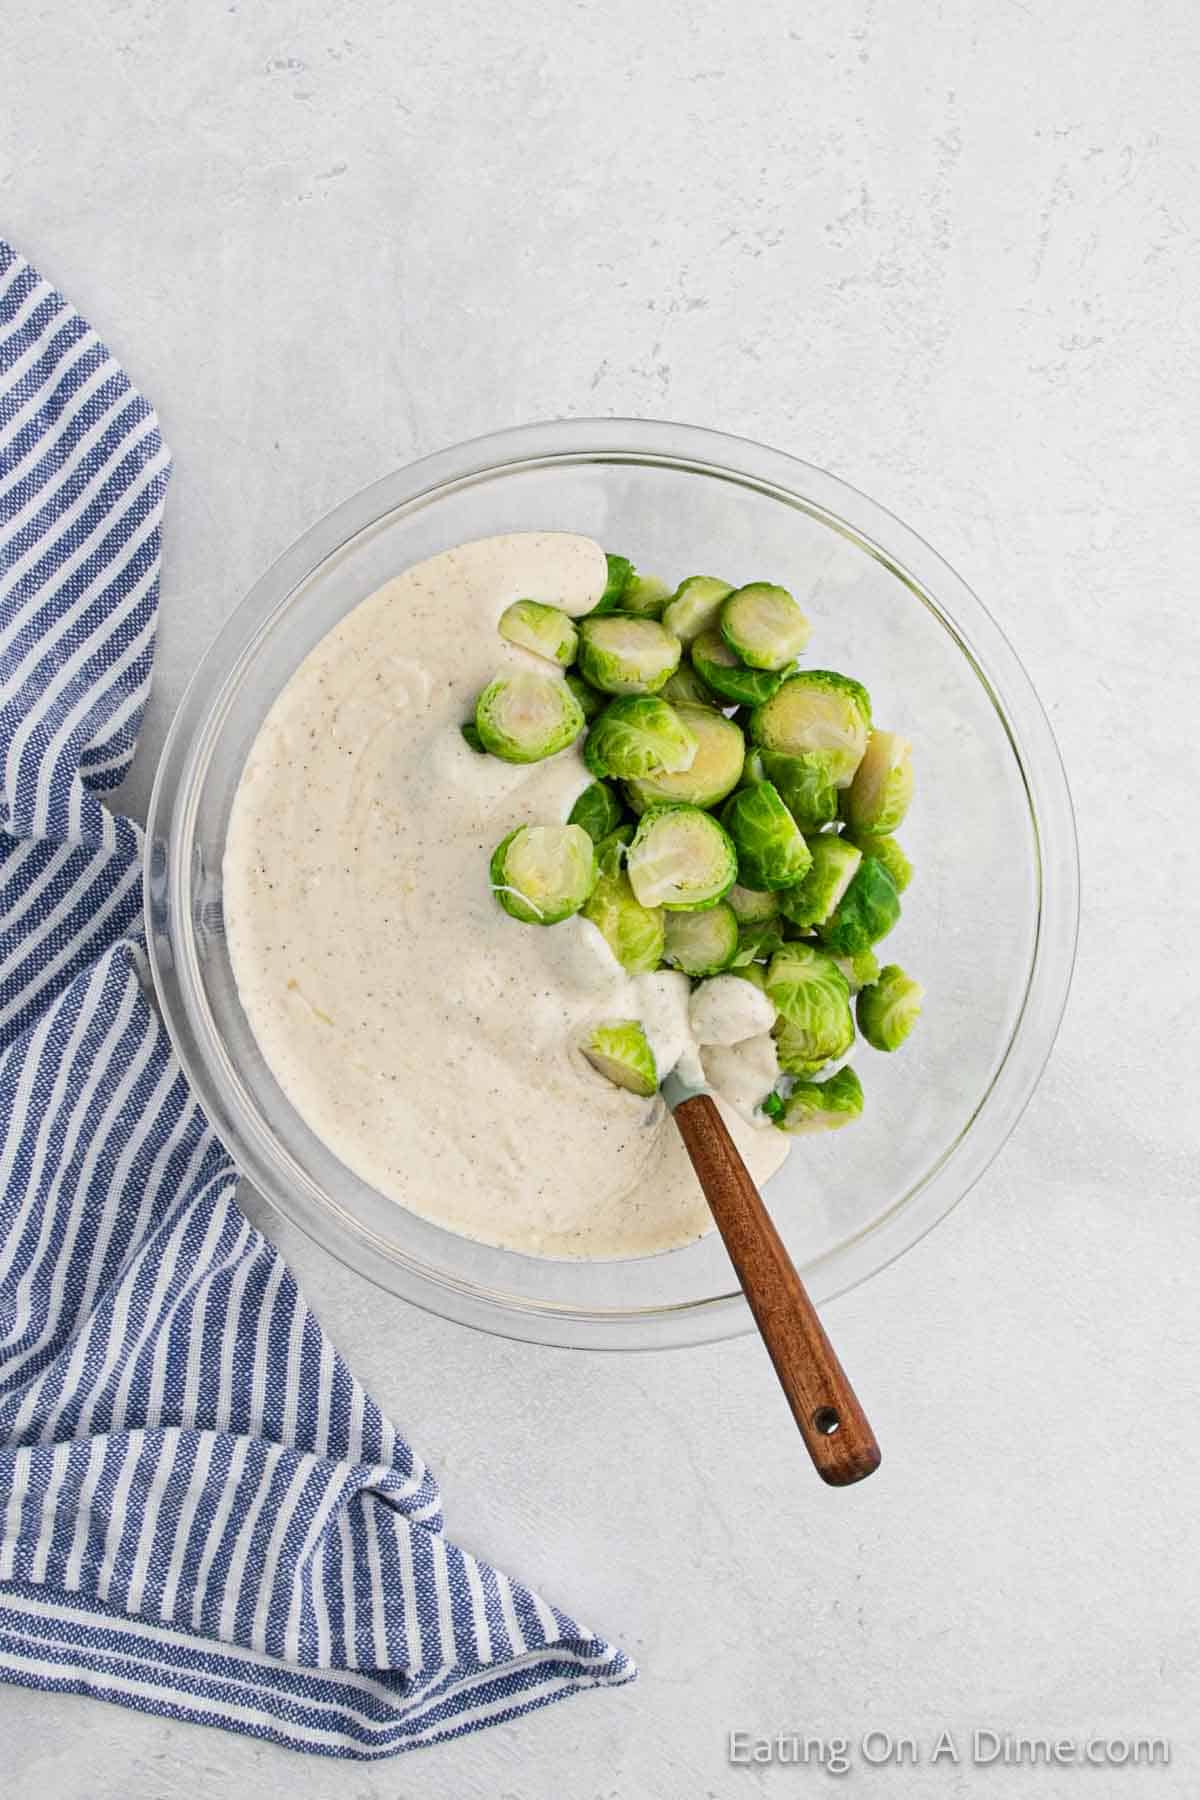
<point>865,913</point>
<point>773,1106</point>
<point>789,1047</point>
<point>611,849</point>
<point>547,631</point>
<point>751,905</point>
<point>638,736</point>
<point>754,768</point>
<point>621,573</point>
<point>889,1008</point>
<point>805,784</point>
<point>618,1049</point>
<point>541,874</point>
<point>472,737</point>
<point>860,971</point>
<point>720,668</point>
<point>771,850</point>
<point>591,701</point>
<point>701,943</point>
<point>763,626</point>
<point>681,858</point>
<point>822,1105</point>
<point>758,942</point>
<point>598,809</point>
<point>685,688</point>
<point>526,716</point>
<point>886,850</point>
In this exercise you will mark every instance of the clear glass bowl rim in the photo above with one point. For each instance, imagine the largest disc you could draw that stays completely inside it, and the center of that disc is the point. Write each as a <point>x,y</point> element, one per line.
<point>684,448</point>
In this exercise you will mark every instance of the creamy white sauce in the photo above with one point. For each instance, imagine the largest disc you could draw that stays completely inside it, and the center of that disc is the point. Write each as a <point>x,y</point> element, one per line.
<point>727,1009</point>
<point>744,1074</point>
<point>425,1036</point>
<point>660,1001</point>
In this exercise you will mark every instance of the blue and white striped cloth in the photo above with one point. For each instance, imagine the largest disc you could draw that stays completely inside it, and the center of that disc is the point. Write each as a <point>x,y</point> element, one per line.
<point>202,1514</point>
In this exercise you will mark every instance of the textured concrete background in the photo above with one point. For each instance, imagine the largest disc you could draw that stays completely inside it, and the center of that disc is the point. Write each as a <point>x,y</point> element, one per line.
<point>949,251</point>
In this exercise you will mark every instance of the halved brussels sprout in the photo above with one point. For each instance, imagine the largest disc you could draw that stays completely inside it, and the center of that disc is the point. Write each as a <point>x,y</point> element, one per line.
<point>790,1047</point>
<point>750,905</point>
<point>591,701</point>
<point>817,710</point>
<point>754,768</point>
<point>646,595</point>
<point>763,626</point>
<point>545,630</point>
<point>805,784</point>
<point>865,913</point>
<point>713,773</point>
<point>771,850</point>
<point>822,1105</point>
<point>878,797</point>
<point>639,736</point>
<point>621,574</point>
<point>633,932</point>
<point>725,675</point>
<point>526,716</point>
<point>835,862</point>
<point>472,737</point>
<point>619,1050</point>
<point>813,1003</point>
<point>696,606</point>
<point>598,809</point>
<point>685,688</point>
<point>622,654</point>
<point>543,873</point>
<point>860,971</point>
<point>727,1011</point>
<point>886,850</point>
<point>701,943</point>
<point>681,858</point>
<point>758,942</point>
<point>889,1008</point>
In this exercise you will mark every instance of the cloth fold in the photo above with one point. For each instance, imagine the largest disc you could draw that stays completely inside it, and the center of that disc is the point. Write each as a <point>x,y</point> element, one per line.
<point>202,1513</point>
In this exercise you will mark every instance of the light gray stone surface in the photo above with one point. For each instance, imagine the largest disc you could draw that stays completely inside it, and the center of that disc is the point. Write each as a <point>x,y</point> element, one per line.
<point>951,253</point>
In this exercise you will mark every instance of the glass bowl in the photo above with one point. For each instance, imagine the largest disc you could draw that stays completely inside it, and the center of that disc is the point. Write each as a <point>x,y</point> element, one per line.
<point>989,922</point>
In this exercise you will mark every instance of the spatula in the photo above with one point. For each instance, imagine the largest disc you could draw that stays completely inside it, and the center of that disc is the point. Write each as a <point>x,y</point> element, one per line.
<point>833,1425</point>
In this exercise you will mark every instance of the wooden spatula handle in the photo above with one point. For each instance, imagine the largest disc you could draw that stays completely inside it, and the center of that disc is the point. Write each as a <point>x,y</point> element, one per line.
<point>832,1423</point>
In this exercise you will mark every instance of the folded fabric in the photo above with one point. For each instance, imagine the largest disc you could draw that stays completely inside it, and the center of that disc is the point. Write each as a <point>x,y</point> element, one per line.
<point>202,1513</point>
